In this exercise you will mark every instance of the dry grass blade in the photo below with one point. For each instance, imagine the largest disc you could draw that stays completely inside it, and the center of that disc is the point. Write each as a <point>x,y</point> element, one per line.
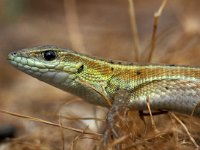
<point>47,122</point>
<point>31,146</point>
<point>81,118</point>
<point>136,41</point>
<point>141,142</point>
<point>120,140</point>
<point>196,106</point>
<point>155,26</point>
<point>151,116</point>
<point>76,139</point>
<point>185,128</point>
<point>62,133</point>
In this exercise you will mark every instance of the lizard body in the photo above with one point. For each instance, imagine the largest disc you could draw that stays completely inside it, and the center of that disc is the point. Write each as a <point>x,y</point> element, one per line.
<point>168,87</point>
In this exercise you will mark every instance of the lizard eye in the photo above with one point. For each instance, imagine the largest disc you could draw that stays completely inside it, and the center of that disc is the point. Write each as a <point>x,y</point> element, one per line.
<point>49,55</point>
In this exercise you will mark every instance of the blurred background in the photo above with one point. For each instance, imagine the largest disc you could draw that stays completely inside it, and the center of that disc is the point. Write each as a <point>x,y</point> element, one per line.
<point>94,27</point>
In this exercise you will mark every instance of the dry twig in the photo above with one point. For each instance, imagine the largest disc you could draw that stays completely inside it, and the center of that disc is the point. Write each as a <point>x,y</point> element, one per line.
<point>151,116</point>
<point>186,129</point>
<point>136,41</point>
<point>155,27</point>
<point>47,122</point>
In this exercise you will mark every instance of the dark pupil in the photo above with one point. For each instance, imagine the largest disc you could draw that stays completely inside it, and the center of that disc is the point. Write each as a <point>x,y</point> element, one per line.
<point>49,55</point>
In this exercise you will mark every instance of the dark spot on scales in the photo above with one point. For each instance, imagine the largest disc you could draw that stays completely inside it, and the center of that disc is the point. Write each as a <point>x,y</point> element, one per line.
<point>80,69</point>
<point>112,69</point>
<point>138,72</point>
<point>166,88</point>
<point>172,65</point>
<point>117,89</point>
<point>111,62</point>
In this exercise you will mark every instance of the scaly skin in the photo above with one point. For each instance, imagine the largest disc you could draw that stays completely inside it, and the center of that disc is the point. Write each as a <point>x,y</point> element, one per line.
<point>175,88</point>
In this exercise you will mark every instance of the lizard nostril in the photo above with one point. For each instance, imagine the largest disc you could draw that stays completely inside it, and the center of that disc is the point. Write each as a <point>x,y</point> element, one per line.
<point>13,53</point>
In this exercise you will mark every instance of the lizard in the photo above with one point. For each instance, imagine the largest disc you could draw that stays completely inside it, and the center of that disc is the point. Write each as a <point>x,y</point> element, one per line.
<point>168,87</point>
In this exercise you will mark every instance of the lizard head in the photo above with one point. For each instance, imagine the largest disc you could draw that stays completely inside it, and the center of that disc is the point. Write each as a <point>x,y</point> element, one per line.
<point>47,63</point>
<point>64,69</point>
